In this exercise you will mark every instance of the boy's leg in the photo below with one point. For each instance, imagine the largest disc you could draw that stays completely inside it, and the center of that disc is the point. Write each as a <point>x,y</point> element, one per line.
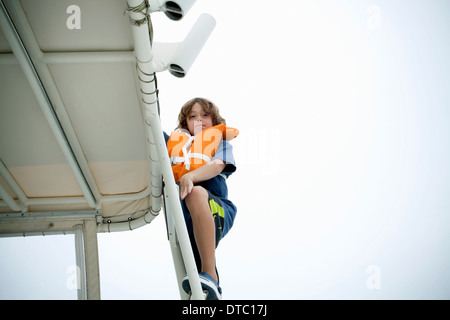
<point>204,228</point>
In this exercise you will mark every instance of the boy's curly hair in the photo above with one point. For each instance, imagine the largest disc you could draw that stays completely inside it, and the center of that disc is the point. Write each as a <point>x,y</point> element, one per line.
<point>207,105</point>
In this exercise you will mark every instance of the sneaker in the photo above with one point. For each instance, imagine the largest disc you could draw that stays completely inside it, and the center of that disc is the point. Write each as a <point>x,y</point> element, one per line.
<point>209,286</point>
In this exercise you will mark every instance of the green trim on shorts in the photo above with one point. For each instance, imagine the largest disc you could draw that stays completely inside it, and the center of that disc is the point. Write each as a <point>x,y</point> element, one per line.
<point>216,208</point>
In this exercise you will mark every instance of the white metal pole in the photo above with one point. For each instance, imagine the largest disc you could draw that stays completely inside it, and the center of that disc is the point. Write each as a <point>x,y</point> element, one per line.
<point>81,265</point>
<point>176,212</point>
<point>4,172</point>
<point>91,260</point>
<point>4,194</point>
<point>156,140</point>
<point>180,269</point>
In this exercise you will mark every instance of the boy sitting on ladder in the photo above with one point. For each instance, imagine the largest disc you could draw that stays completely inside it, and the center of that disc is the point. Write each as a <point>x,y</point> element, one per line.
<point>202,160</point>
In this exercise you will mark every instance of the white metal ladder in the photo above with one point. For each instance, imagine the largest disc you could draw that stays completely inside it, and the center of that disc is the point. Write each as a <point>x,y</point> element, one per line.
<point>183,256</point>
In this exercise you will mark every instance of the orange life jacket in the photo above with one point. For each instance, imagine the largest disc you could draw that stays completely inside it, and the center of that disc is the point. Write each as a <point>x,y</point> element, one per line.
<point>188,153</point>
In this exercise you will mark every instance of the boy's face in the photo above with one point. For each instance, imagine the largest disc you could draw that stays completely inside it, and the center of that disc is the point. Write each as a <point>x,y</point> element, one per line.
<point>198,119</point>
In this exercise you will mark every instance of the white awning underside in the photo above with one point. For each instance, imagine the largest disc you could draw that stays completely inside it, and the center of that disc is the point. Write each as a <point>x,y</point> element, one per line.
<point>85,148</point>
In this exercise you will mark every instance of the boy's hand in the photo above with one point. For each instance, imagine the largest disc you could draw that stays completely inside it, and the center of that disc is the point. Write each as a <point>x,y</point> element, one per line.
<point>205,172</point>
<point>186,185</point>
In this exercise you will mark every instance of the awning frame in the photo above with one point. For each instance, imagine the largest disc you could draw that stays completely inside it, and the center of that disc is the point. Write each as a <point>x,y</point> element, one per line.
<point>34,64</point>
<point>85,224</point>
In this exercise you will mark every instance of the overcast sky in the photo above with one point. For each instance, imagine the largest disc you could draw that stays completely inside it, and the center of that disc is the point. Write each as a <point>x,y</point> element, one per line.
<point>342,182</point>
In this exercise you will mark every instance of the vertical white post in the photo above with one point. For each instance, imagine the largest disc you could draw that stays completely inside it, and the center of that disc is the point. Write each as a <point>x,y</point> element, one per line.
<point>86,250</point>
<point>80,260</point>
<point>91,260</point>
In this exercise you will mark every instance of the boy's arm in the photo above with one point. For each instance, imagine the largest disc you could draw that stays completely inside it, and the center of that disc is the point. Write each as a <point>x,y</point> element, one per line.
<point>205,172</point>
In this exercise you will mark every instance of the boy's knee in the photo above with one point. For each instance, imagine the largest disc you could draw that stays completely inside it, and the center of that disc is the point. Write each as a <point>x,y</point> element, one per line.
<point>197,194</point>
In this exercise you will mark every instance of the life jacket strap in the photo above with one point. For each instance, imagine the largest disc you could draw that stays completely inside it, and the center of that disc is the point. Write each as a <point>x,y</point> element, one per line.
<point>185,159</point>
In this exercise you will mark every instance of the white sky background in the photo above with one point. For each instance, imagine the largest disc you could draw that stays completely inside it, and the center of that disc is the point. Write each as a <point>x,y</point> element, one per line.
<point>343,180</point>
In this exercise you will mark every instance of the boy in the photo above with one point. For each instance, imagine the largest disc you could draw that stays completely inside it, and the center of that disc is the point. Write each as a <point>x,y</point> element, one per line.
<point>208,212</point>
